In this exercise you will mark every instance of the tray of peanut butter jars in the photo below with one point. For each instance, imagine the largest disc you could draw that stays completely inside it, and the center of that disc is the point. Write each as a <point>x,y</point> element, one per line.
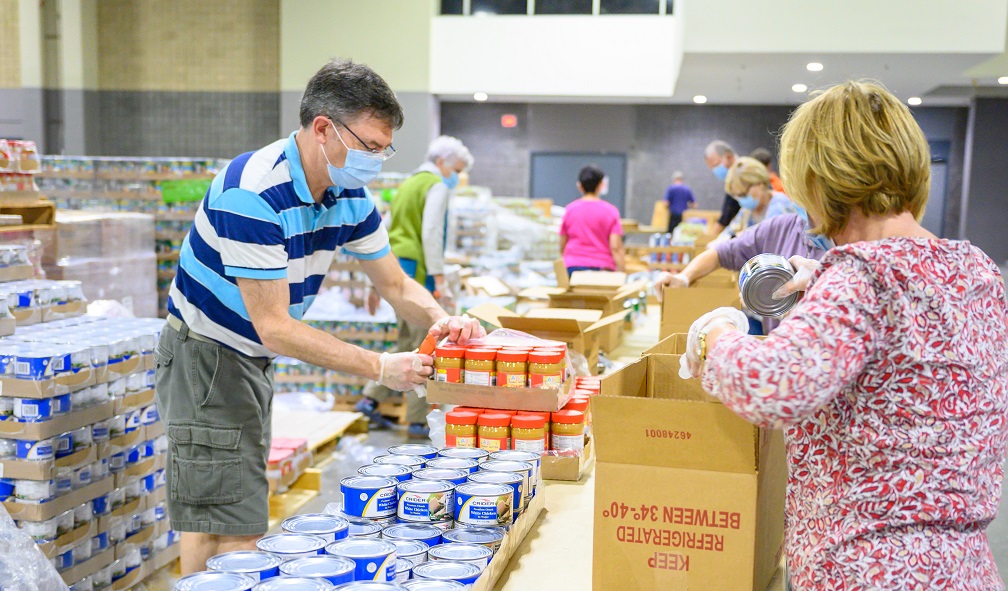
<point>505,371</point>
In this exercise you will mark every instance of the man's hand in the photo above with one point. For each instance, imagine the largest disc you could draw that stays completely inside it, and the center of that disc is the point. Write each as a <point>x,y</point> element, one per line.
<point>404,371</point>
<point>458,329</point>
<point>664,280</point>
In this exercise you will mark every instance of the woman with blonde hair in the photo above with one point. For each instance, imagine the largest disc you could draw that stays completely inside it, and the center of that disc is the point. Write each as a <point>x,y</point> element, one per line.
<point>748,181</point>
<point>890,377</point>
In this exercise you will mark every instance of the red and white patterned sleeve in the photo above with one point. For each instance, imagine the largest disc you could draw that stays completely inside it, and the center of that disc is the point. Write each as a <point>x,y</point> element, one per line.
<point>819,349</point>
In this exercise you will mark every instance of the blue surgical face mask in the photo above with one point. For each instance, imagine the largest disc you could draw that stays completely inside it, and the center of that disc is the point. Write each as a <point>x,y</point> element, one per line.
<point>748,202</point>
<point>359,169</point>
<point>451,181</point>
<point>820,241</point>
<point>720,171</point>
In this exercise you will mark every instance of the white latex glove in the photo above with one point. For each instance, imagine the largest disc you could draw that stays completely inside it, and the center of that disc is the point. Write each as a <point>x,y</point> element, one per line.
<point>689,363</point>
<point>805,269</point>
<point>457,329</point>
<point>669,280</point>
<point>404,371</point>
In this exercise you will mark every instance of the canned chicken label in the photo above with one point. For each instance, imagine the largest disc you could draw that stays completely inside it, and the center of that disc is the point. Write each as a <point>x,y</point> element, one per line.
<point>515,481</point>
<point>426,501</point>
<point>35,450</point>
<point>369,496</point>
<point>484,504</point>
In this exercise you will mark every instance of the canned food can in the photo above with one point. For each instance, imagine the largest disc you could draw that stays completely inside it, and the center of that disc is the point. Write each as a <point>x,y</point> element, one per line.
<point>759,278</point>
<point>362,528</point>
<point>524,468</point>
<point>466,453</point>
<point>404,570</point>
<point>35,450</point>
<point>412,551</point>
<point>470,466</point>
<point>328,527</point>
<point>414,462</point>
<point>484,504</point>
<point>428,452</point>
<point>514,480</point>
<point>291,546</point>
<point>432,585</point>
<point>374,560</point>
<point>442,570</point>
<point>455,477</point>
<point>527,457</point>
<point>475,554</point>
<point>369,496</point>
<point>428,534</point>
<point>424,501</point>
<point>294,584</point>
<point>257,565</point>
<point>400,473</point>
<point>335,569</point>
<point>214,581</point>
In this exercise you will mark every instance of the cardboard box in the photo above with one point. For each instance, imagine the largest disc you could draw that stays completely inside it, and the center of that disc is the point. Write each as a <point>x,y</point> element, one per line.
<point>46,469</point>
<point>7,326</point>
<point>512,540</point>
<point>687,495</point>
<point>608,304</point>
<point>134,401</point>
<point>61,384</point>
<point>16,273</point>
<point>569,468</point>
<point>129,366</point>
<point>43,511</point>
<point>681,307</point>
<point>596,282</point>
<point>536,399</point>
<point>59,424</point>
<point>27,316</point>
<point>69,539</point>
<point>61,311</point>
<point>89,567</point>
<point>133,507</point>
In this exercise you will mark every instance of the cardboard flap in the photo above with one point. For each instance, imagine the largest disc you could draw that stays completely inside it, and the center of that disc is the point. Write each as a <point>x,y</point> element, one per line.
<point>489,313</point>
<point>491,286</point>
<point>585,316</point>
<point>560,270</point>
<point>607,321</point>
<point>540,293</point>
<point>544,327</point>
<point>674,344</point>
<point>597,281</point>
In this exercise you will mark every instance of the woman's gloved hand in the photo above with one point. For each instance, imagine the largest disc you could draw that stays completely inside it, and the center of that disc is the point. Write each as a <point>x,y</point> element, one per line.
<point>669,280</point>
<point>404,371</point>
<point>805,270</point>
<point>689,363</point>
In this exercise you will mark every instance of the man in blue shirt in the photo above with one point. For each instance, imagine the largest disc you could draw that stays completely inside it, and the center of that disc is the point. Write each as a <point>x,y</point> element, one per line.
<point>679,198</point>
<point>262,242</point>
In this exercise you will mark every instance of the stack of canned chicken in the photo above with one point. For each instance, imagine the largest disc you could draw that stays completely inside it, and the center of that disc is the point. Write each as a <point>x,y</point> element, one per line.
<point>109,362</point>
<point>417,519</point>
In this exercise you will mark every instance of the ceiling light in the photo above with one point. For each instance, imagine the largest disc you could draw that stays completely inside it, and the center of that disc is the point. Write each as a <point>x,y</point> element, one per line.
<point>799,87</point>
<point>699,99</point>
<point>914,101</point>
<point>480,96</point>
<point>813,67</point>
<point>1003,80</point>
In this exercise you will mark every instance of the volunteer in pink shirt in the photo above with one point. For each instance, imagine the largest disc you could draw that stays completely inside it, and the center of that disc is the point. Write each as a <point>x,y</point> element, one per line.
<point>591,236</point>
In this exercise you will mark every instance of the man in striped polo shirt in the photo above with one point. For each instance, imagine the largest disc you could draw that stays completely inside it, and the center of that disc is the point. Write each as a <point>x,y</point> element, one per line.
<point>261,244</point>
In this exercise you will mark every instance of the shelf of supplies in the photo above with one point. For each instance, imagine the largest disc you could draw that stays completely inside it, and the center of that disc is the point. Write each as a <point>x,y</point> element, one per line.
<point>153,176</point>
<point>180,216</point>
<point>168,256</point>
<point>169,235</point>
<point>66,174</point>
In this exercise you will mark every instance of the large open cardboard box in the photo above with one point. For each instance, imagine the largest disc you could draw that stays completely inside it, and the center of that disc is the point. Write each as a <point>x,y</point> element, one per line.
<point>687,495</point>
<point>680,307</point>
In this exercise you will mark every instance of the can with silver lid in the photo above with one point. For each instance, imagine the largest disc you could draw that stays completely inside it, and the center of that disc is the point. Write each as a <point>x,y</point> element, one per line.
<point>362,528</point>
<point>444,474</point>
<point>466,453</point>
<point>511,455</point>
<point>335,569</point>
<point>484,504</point>
<point>424,501</point>
<point>468,465</point>
<point>414,462</point>
<point>413,551</point>
<point>374,560</point>
<point>443,570</point>
<point>428,534</point>
<point>291,546</point>
<point>294,584</point>
<point>524,468</point>
<point>432,585</point>
<point>759,278</point>
<point>214,581</point>
<point>400,473</point>
<point>491,537</point>
<point>369,496</point>
<point>371,586</point>
<point>257,565</point>
<point>475,554</point>
<point>404,570</point>
<point>328,527</point>
<point>427,452</point>
<point>513,479</point>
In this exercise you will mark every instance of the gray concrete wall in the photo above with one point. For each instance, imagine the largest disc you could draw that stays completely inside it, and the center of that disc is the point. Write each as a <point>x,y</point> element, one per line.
<point>986,207</point>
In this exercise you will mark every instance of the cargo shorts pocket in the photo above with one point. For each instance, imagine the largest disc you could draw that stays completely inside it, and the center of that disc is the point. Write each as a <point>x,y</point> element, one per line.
<point>206,464</point>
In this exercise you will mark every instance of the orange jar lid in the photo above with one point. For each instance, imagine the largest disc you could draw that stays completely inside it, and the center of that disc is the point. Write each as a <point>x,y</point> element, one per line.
<point>568,417</point>
<point>577,403</point>
<point>512,355</point>
<point>461,417</point>
<point>580,392</point>
<point>538,356</point>
<point>528,422</point>
<point>531,413</point>
<point>481,354</point>
<point>494,420</point>
<point>450,351</point>
<point>472,409</point>
<point>516,348</point>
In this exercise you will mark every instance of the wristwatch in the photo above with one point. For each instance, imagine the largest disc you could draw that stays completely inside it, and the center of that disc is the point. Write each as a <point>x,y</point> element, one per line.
<point>702,346</point>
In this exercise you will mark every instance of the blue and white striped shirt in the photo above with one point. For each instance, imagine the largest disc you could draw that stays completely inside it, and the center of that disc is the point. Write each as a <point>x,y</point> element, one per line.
<point>258,220</point>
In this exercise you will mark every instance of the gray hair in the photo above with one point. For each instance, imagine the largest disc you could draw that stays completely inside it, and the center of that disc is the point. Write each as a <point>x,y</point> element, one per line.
<point>719,147</point>
<point>345,90</point>
<point>677,175</point>
<point>450,149</point>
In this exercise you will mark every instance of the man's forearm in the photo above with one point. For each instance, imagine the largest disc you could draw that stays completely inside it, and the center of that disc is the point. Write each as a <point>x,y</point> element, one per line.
<point>414,303</point>
<point>702,265</point>
<point>300,341</point>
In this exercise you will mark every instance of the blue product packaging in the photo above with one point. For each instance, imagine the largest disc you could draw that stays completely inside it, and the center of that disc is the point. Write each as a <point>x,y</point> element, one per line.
<point>484,504</point>
<point>63,445</point>
<point>369,496</point>
<point>375,560</point>
<point>35,450</point>
<point>62,404</point>
<point>33,410</point>
<point>101,505</point>
<point>426,501</point>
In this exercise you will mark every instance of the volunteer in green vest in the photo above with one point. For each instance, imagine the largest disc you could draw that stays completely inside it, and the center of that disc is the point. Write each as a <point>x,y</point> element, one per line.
<point>417,223</point>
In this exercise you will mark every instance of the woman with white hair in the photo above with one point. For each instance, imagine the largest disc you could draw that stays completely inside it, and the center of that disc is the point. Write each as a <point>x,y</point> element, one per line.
<point>419,215</point>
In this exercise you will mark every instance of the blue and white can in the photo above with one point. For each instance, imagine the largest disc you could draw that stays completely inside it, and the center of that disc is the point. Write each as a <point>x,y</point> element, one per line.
<point>414,462</point>
<point>400,473</point>
<point>413,551</point>
<point>512,479</point>
<point>432,585</point>
<point>335,569</point>
<point>328,527</point>
<point>291,546</point>
<point>33,410</point>
<point>64,481</point>
<point>442,570</point>
<point>475,554</point>
<point>491,537</point>
<point>255,565</point>
<point>524,468</point>
<point>214,581</point>
<point>62,404</point>
<point>470,466</point>
<point>35,450</point>
<point>294,584</point>
<point>63,445</point>
<point>428,534</point>
<point>369,496</point>
<point>82,477</point>
<point>404,570</point>
<point>484,504</point>
<point>426,501</point>
<point>149,415</point>
<point>512,455</point>
<point>455,477</point>
<point>149,483</point>
<point>428,452</point>
<point>465,453</point>
<point>363,528</point>
<point>374,559</point>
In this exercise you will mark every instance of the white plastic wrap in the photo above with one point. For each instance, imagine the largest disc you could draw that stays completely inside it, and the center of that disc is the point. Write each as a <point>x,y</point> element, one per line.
<point>22,566</point>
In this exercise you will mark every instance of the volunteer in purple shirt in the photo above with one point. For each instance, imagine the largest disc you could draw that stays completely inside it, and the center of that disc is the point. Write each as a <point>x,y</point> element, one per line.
<point>680,198</point>
<point>784,235</point>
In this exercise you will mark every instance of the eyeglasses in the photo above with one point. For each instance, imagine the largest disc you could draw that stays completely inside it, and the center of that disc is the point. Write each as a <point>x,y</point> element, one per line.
<point>378,154</point>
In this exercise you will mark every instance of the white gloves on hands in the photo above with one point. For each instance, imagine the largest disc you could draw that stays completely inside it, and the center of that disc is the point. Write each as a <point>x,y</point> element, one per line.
<point>805,269</point>
<point>402,372</point>
<point>669,280</point>
<point>458,329</point>
<point>689,363</point>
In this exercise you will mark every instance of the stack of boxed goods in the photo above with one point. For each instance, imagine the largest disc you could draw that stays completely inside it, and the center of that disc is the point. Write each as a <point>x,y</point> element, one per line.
<point>534,231</point>
<point>43,300</point>
<point>472,226</point>
<point>288,460</point>
<point>19,162</point>
<point>82,448</point>
<point>688,495</point>
<point>606,292</point>
<point>111,253</point>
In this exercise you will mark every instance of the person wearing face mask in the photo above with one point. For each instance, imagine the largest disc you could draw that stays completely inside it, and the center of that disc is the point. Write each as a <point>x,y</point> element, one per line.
<point>418,218</point>
<point>719,157</point>
<point>262,241</point>
<point>749,182</point>
<point>591,233</point>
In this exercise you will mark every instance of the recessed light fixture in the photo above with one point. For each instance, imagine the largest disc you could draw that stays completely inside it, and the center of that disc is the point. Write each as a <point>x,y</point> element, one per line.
<point>1003,80</point>
<point>813,67</point>
<point>699,99</point>
<point>914,101</point>
<point>799,87</point>
<point>480,96</point>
